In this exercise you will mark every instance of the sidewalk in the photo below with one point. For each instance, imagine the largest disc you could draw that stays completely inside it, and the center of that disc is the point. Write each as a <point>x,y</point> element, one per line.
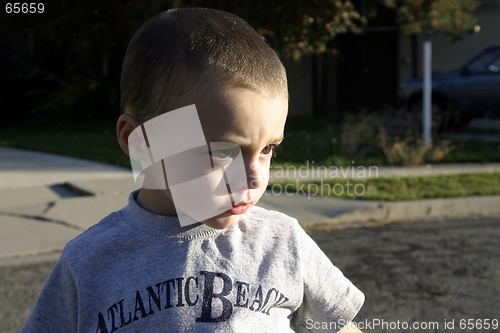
<point>46,200</point>
<point>315,172</point>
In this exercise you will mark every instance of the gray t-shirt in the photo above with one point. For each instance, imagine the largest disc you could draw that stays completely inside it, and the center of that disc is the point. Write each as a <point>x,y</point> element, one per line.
<point>136,271</point>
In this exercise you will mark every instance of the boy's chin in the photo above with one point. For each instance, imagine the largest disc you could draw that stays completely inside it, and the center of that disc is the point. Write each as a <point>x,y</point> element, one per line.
<point>222,221</point>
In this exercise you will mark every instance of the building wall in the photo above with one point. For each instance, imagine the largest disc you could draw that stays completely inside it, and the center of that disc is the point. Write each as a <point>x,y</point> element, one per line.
<point>448,55</point>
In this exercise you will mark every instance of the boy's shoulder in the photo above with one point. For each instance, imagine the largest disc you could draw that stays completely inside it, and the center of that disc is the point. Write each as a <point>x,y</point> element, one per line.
<point>269,222</point>
<point>107,231</point>
<point>264,215</point>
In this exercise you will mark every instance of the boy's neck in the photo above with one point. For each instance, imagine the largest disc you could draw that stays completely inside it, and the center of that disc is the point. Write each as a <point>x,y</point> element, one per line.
<point>156,201</point>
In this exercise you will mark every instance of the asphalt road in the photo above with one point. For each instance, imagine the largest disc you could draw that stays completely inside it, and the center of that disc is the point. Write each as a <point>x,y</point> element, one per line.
<point>425,274</point>
<point>422,273</point>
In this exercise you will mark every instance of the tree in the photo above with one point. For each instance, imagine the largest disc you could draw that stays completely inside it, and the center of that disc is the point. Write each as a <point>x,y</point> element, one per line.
<point>451,17</point>
<point>67,61</point>
<point>308,27</point>
<point>295,28</point>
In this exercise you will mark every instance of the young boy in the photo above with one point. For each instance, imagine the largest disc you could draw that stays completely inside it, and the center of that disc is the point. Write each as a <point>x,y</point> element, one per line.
<point>191,252</point>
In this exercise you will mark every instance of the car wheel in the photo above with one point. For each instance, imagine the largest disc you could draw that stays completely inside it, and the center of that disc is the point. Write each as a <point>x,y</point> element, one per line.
<point>440,121</point>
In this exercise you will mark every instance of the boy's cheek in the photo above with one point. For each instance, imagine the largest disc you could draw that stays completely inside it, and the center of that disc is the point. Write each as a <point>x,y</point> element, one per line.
<point>259,172</point>
<point>266,171</point>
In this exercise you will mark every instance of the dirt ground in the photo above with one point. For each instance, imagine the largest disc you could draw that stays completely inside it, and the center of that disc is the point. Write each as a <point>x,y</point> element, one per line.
<point>427,275</point>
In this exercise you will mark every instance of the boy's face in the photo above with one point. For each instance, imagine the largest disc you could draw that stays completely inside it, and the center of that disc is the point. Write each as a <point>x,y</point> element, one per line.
<point>243,117</point>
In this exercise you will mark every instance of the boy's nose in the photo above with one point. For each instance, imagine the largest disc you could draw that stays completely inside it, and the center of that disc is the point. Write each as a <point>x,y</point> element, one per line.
<point>255,175</point>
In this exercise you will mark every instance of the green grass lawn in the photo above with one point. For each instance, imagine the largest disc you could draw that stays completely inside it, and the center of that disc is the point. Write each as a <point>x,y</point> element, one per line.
<point>398,188</point>
<point>99,146</point>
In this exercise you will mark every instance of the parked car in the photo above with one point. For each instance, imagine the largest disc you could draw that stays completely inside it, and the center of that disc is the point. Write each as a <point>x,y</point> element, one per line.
<point>458,96</point>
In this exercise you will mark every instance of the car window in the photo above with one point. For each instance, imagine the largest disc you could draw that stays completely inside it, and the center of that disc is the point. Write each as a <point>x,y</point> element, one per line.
<point>494,67</point>
<point>486,63</point>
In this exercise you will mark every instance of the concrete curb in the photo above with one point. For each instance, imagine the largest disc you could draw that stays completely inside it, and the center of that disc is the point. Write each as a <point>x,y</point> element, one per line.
<point>387,212</point>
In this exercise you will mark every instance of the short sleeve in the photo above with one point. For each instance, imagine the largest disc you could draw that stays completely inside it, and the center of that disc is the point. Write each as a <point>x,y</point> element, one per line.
<point>56,309</point>
<point>330,299</point>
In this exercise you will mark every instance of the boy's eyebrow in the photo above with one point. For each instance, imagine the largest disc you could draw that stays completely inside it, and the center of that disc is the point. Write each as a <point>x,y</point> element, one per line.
<point>276,141</point>
<point>279,139</point>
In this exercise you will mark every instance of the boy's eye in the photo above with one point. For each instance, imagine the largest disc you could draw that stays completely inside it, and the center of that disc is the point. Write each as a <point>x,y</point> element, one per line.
<point>223,154</point>
<point>268,150</point>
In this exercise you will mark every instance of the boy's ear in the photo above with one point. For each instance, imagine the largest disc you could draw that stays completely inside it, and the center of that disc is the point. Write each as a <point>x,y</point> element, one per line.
<point>125,125</point>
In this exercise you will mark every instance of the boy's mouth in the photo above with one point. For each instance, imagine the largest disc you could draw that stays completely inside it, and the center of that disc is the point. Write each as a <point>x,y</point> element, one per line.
<point>242,207</point>
<point>239,209</point>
